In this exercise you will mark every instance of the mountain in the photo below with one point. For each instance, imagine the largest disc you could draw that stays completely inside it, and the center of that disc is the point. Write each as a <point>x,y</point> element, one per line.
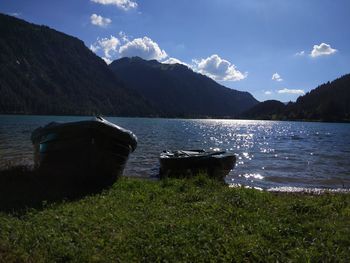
<point>176,90</point>
<point>328,102</point>
<point>266,110</point>
<point>43,71</point>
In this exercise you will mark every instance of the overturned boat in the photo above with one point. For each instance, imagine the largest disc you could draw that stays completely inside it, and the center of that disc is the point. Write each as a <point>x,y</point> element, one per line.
<point>185,163</point>
<point>85,148</point>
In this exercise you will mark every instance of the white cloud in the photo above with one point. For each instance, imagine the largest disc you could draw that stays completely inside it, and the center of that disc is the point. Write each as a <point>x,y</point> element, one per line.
<point>174,61</point>
<point>107,60</point>
<point>99,20</point>
<point>144,47</point>
<point>108,45</point>
<point>124,46</point>
<point>122,4</point>
<point>15,14</point>
<point>291,91</point>
<point>276,77</point>
<point>322,50</point>
<point>123,37</point>
<point>268,92</point>
<point>218,69</point>
<point>300,53</point>
<point>117,47</point>
<point>94,48</point>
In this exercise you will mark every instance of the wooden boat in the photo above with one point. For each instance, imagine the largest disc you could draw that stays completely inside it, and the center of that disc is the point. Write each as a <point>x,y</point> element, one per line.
<point>182,163</point>
<point>83,148</point>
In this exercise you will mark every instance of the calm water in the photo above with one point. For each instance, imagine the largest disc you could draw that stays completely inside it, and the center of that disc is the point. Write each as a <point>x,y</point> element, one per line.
<point>271,154</point>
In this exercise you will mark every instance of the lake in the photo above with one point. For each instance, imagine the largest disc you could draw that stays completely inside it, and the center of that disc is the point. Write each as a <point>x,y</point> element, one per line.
<point>272,155</point>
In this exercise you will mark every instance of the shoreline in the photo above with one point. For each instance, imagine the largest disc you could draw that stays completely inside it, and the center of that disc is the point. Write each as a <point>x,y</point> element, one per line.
<point>27,173</point>
<point>178,117</point>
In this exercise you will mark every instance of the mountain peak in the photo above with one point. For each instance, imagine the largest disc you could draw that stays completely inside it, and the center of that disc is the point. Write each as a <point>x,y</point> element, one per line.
<point>177,90</point>
<point>43,71</point>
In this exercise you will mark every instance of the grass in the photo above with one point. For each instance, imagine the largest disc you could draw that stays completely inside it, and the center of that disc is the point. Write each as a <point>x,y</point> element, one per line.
<point>191,220</point>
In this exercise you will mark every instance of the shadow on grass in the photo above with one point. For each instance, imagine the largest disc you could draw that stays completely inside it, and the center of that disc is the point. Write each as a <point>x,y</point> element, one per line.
<point>22,188</point>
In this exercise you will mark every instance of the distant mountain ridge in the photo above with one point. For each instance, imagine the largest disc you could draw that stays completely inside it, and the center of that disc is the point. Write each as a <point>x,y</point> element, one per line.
<point>43,71</point>
<point>176,90</point>
<point>266,110</point>
<point>327,102</point>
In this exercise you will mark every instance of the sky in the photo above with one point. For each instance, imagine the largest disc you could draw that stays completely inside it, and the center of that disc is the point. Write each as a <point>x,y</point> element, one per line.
<point>274,49</point>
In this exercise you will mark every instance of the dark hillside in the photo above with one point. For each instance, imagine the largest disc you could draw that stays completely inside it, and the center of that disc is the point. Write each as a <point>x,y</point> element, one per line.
<point>43,71</point>
<point>266,110</point>
<point>328,102</point>
<point>176,90</point>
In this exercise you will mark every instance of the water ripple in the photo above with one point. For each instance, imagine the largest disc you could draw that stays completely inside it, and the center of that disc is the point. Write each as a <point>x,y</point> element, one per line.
<point>271,154</point>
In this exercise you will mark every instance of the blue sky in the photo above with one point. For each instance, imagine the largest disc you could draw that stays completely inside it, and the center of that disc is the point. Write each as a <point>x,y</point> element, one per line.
<point>275,49</point>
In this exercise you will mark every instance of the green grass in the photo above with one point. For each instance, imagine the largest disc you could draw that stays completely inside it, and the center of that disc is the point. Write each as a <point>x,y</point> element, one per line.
<point>176,220</point>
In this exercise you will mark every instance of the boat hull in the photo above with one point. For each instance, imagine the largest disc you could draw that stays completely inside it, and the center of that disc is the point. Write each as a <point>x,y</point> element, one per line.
<point>82,149</point>
<point>214,165</point>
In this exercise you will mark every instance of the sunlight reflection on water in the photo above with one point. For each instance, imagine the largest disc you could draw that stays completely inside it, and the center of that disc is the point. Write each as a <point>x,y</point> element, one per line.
<point>271,154</point>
